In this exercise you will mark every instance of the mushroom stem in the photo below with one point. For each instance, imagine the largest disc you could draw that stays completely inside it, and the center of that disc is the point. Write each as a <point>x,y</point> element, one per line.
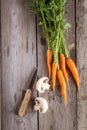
<point>37,107</point>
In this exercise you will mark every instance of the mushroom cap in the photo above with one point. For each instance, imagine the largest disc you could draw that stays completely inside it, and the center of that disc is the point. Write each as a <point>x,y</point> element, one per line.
<point>42,84</point>
<point>42,103</point>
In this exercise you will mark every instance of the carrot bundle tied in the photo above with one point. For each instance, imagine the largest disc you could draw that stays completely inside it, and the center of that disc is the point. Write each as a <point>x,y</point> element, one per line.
<point>49,61</point>
<point>54,69</point>
<point>63,66</point>
<point>62,84</point>
<point>71,65</point>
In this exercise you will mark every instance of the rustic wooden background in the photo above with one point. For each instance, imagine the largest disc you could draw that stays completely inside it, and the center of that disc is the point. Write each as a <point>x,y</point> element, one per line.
<point>22,48</point>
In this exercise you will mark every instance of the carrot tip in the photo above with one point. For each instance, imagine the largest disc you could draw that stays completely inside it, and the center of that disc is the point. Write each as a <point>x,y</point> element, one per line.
<point>68,87</point>
<point>79,91</point>
<point>67,80</point>
<point>49,76</point>
<point>53,88</point>
<point>66,104</point>
<point>65,101</point>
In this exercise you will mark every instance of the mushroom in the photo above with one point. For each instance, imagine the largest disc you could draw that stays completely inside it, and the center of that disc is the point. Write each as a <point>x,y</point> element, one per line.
<point>41,105</point>
<point>42,84</point>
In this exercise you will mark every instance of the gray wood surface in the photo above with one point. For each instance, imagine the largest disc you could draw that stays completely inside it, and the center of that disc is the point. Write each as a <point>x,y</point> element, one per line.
<point>23,47</point>
<point>82,62</point>
<point>0,66</point>
<point>57,116</point>
<point>0,82</point>
<point>18,39</point>
<point>0,89</point>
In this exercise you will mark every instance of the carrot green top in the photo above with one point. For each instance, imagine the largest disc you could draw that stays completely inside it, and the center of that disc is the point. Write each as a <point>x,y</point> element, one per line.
<point>52,19</point>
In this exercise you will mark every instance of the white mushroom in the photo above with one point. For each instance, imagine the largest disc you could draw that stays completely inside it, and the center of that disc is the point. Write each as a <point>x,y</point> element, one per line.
<point>42,84</point>
<point>41,105</point>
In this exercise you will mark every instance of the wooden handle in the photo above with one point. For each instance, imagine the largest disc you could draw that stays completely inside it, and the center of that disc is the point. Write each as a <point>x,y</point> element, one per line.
<point>24,103</point>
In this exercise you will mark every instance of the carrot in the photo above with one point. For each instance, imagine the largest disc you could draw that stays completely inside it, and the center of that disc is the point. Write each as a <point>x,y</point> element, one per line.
<point>71,65</point>
<point>62,84</point>
<point>54,69</point>
<point>63,65</point>
<point>49,61</point>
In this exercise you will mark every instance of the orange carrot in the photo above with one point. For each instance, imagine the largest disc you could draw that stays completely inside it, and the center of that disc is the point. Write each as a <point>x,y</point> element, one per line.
<point>49,61</point>
<point>71,65</point>
<point>62,84</point>
<point>63,66</point>
<point>54,69</point>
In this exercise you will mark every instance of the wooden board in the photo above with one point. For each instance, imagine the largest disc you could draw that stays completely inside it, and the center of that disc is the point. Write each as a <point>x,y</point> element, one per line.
<point>82,62</point>
<point>23,47</point>
<point>57,116</point>
<point>0,90</point>
<point>0,84</point>
<point>0,66</point>
<point>18,39</point>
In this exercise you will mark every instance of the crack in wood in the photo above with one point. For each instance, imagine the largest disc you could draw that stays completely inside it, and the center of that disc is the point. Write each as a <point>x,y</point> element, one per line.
<point>27,45</point>
<point>7,51</point>
<point>32,48</point>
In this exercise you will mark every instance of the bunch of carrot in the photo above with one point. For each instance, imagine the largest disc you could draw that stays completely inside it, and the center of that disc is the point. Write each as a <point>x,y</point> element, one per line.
<point>52,19</point>
<point>58,58</point>
<point>59,71</point>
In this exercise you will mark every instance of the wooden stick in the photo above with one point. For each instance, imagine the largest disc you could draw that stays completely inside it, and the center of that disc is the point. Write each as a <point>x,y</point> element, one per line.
<point>24,103</point>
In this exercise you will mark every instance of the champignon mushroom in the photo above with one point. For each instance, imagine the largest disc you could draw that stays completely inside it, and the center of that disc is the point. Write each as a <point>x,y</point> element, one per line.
<point>42,84</point>
<point>41,105</point>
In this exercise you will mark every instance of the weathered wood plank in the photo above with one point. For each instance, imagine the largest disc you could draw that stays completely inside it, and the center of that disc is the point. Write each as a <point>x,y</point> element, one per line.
<point>18,39</point>
<point>0,91</point>
<point>0,66</point>
<point>0,84</point>
<point>81,8</point>
<point>58,117</point>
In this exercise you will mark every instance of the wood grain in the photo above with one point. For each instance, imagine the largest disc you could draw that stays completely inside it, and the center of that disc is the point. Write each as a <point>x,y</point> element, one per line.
<point>18,39</point>
<point>81,19</point>
<point>0,65</point>
<point>19,55</point>
<point>57,116</point>
<point>0,83</point>
<point>0,90</point>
